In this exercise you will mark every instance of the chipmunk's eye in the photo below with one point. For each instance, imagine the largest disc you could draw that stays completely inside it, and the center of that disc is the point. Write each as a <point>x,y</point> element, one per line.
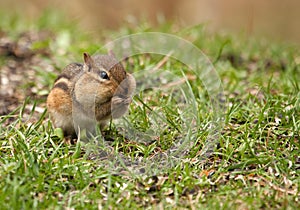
<point>104,75</point>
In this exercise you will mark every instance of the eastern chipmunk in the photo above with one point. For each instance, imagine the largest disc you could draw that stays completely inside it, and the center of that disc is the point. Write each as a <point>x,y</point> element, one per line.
<point>95,91</point>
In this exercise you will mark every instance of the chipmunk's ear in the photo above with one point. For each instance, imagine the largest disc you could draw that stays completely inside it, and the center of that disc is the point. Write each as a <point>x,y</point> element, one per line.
<point>88,62</point>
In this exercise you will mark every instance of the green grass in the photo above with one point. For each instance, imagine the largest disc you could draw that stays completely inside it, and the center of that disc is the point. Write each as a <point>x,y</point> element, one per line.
<point>256,162</point>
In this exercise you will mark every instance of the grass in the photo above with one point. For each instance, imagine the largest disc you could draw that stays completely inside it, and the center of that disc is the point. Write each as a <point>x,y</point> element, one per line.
<point>256,162</point>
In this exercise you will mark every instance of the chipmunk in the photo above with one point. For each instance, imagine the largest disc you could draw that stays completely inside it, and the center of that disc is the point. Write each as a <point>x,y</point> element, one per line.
<point>89,93</point>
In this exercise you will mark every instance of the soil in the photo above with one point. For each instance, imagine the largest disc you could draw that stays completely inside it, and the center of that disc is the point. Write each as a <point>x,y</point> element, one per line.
<point>20,63</point>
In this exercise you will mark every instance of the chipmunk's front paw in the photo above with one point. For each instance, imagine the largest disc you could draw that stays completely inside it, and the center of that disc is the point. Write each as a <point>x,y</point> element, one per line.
<point>120,106</point>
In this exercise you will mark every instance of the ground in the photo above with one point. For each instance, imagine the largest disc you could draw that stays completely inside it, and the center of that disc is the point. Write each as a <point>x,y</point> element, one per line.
<point>255,163</point>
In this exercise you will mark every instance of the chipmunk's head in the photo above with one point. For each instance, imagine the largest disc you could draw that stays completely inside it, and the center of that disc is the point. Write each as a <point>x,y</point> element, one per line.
<point>100,80</point>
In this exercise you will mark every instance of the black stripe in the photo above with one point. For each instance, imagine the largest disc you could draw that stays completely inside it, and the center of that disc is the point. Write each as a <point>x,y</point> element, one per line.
<point>61,85</point>
<point>78,64</point>
<point>63,76</point>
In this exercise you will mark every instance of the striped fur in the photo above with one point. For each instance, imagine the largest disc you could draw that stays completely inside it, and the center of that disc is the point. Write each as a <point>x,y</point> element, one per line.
<point>80,95</point>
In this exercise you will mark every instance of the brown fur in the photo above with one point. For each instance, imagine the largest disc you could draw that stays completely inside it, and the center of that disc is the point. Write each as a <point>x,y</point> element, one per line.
<point>81,93</point>
<point>60,101</point>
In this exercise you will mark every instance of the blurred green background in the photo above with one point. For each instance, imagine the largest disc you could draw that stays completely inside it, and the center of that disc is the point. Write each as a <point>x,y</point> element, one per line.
<point>275,19</point>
